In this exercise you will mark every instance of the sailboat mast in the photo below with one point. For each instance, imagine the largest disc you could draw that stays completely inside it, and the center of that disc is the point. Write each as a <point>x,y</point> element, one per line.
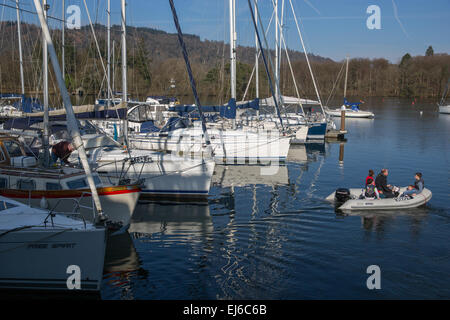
<point>113,66</point>
<point>281,26</point>
<point>233,52</point>
<point>346,74</point>
<point>124,70</point>
<point>19,33</point>
<point>108,100</point>
<point>45,138</point>
<point>71,120</point>
<point>256,58</point>
<point>63,36</point>
<point>276,50</point>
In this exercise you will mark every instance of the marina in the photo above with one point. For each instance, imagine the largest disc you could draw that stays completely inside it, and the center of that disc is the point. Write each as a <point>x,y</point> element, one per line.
<point>281,234</point>
<point>255,188</point>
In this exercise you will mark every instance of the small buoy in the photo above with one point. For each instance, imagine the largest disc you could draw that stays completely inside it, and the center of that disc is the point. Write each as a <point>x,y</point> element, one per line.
<point>421,112</point>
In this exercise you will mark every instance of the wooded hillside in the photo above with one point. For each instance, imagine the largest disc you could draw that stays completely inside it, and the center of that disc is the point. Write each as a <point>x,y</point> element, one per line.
<point>154,59</point>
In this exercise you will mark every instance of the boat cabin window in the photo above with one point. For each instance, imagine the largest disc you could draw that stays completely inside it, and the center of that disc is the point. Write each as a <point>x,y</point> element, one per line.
<point>51,186</point>
<point>3,183</point>
<point>4,205</point>
<point>77,184</point>
<point>82,183</point>
<point>13,148</point>
<point>28,184</point>
<point>97,181</point>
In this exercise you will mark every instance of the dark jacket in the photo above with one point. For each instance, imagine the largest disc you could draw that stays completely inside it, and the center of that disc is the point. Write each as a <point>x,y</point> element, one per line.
<point>381,183</point>
<point>61,150</point>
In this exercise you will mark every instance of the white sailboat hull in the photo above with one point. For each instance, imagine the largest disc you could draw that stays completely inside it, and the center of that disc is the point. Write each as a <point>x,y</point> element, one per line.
<point>234,146</point>
<point>444,109</point>
<point>37,249</point>
<point>349,113</point>
<point>165,176</point>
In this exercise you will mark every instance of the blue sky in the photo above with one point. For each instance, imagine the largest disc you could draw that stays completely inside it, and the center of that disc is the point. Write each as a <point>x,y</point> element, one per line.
<point>331,28</point>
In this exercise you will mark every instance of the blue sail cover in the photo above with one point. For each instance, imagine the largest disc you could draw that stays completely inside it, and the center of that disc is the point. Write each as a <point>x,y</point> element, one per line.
<point>226,111</point>
<point>23,103</point>
<point>229,111</point>
<point>353,105</point>
<point>254,104</point>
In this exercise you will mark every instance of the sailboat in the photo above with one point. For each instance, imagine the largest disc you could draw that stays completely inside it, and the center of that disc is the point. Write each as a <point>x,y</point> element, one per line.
<point>230,145</point>
<point>165,177</point>
<point>301,126</point>
<point>38,246</point>
<point>351,108</point>
<point>444,108</point>
<point>36,183</point>
<point>64,189</point>
<point>55,245</point>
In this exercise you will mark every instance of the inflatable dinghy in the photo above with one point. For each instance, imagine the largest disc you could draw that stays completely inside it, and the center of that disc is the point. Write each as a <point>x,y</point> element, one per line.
<point>351,200</point>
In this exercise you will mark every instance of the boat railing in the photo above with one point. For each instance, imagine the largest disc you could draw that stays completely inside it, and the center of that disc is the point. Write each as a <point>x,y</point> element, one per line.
<point>76,208</point>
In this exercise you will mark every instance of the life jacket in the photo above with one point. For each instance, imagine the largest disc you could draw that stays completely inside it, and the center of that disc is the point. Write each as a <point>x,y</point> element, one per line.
<point>369,177</point>
<point>370,191</point>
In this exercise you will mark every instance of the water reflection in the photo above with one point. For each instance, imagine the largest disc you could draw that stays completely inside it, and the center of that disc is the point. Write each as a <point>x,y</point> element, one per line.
<point>122,265</point>
<point>243,175</point>
<point>188,220</point>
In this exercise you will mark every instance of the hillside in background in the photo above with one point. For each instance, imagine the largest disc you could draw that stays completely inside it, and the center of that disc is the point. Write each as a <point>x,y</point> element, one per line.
<point>154,59</point>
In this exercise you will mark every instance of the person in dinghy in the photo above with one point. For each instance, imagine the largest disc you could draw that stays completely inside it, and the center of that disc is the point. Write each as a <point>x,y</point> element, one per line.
<point>371,190</point>
<point>387,190</point>
<point>415,189</point>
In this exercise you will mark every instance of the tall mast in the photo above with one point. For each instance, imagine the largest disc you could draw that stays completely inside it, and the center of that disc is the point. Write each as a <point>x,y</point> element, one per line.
<point>19,33</point>
<point>109,57</point>
<point>280,47</point>
<point>63,49</point>
<point>346,74</point>
<point>276,49</point>
<point>71,120</point>
<point>256,57</point>
<point>113,66</point>
<point>233,51</point>
<point>45,137</point>
<point>124,70</point>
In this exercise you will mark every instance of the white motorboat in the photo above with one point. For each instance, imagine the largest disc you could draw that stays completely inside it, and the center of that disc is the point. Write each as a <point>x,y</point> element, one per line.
<point>41,250</point>
<point>355,202</point>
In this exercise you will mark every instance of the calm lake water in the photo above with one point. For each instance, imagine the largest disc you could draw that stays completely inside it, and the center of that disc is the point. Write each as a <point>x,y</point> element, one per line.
<point>276,237</point>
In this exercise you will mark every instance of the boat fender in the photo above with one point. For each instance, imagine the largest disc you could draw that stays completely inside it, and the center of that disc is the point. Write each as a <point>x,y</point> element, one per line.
<point>43,203</point>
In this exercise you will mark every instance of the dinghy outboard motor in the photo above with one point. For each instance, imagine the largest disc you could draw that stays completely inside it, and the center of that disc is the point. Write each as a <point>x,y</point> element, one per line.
<point>341,195</point>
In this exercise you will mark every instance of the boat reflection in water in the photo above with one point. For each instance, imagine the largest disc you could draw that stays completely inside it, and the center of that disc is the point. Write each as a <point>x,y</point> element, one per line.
<point>244,175</point>
<point>190,220</point>
<point>122,265</point>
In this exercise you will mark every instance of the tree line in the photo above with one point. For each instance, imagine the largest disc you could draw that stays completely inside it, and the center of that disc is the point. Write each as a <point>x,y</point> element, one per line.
<point>154,62</point>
